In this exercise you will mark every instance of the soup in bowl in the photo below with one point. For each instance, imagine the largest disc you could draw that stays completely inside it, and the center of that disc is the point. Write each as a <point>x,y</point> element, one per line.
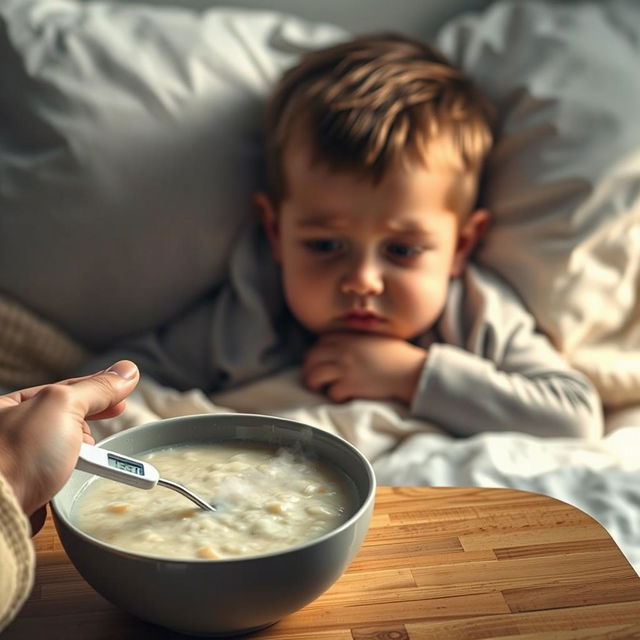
<point>293,505</point>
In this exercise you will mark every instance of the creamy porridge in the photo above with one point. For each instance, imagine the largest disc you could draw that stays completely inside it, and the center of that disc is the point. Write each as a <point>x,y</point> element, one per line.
<point>267,499</point>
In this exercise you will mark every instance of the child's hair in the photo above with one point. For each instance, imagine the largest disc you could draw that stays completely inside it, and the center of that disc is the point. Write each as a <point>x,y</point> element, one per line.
<point>363,104</point>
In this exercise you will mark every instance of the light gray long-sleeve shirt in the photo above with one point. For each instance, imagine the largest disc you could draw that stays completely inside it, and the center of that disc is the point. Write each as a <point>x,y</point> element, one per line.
<point>488,368</point>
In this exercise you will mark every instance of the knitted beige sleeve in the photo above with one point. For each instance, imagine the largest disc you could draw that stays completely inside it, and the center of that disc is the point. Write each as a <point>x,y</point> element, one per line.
<point>17,557</point>
<point>32,350</point>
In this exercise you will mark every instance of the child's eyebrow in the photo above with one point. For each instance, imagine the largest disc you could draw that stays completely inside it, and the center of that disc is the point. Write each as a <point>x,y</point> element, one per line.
<point>339,223</point>
<point>408,226</point>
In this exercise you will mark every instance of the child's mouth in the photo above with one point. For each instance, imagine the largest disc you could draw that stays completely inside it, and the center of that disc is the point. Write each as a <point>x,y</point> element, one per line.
<point>362,320</point>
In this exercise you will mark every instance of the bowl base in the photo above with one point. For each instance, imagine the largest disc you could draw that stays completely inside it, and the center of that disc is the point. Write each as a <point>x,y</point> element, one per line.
<point>225,634</point>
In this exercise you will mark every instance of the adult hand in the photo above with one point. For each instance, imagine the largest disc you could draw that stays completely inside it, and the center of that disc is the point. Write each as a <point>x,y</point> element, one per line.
<point>347,365</point>
<point>41,430</point>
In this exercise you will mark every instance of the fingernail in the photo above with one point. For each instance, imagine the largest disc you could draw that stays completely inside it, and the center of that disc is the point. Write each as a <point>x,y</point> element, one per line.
<point>124,369</point>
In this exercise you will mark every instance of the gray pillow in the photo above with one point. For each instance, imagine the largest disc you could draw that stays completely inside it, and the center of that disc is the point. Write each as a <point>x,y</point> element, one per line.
<point>130,145</point>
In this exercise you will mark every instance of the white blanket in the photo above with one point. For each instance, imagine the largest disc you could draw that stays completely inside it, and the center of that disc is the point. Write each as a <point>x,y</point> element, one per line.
<point>601,478</point>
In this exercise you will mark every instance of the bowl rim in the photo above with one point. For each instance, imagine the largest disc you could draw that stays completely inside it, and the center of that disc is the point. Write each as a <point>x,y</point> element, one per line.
<point>59,517</point>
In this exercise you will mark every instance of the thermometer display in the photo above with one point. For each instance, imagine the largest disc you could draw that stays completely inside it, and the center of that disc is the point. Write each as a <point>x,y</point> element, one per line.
<point>125,465</point>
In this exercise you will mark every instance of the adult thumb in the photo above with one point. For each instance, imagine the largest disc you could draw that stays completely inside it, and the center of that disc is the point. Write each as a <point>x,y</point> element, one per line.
<point>101,392</point>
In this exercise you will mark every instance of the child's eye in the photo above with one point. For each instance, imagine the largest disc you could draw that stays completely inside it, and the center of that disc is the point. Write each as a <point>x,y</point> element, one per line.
<point>324,245</point>
<point>401,250</point>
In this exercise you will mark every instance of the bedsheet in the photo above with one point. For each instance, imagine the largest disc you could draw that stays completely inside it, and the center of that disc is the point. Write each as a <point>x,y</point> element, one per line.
<point>600,477</point>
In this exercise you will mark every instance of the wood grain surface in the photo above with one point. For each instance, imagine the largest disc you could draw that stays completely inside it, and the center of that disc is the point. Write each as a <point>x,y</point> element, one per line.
<point>464,563</point>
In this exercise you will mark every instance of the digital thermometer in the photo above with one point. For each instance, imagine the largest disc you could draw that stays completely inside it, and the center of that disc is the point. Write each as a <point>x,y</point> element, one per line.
<point>137,473</point>
<point>116,466</point>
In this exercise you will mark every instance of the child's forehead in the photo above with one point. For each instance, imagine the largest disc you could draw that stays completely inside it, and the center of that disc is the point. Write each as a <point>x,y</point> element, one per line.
<point>408,183</point>
<point>357,208</point>
<point>312,178</point>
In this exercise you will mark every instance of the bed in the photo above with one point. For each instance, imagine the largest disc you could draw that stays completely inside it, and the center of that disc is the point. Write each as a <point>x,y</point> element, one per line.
<point>130,140</point>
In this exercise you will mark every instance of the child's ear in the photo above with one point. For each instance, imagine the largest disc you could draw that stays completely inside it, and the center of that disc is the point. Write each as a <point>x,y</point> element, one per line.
<point>470,233</point>
<point>269,218</point>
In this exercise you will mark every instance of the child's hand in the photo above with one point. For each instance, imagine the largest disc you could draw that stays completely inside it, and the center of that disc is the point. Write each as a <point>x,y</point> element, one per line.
<point>347,365</point>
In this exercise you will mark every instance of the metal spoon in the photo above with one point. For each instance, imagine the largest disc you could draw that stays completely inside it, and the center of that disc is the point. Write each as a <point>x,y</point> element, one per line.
<point>131,471</point>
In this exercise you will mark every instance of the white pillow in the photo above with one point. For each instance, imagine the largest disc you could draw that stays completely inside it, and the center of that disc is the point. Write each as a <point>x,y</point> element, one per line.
<point>130,145</point>
<point>564,181</point>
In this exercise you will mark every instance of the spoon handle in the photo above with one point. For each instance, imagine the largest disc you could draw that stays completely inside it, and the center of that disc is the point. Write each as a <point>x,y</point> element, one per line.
<point>186,493</point>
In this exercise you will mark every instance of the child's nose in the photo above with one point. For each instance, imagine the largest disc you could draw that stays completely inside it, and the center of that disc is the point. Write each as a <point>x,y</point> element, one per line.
<point>363,278</point>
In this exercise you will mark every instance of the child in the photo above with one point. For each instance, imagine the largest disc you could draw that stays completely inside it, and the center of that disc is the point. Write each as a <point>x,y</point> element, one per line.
<point>375,150</point>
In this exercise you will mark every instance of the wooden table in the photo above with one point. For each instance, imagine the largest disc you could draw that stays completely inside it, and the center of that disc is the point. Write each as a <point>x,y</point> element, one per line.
<point>437,563</point>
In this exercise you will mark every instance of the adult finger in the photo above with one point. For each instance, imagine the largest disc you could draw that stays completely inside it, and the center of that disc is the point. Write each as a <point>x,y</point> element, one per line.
<point>111,412</point>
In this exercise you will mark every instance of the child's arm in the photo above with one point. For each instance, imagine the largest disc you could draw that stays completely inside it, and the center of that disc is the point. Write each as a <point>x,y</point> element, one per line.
<point>493,371</point>
<point>468,394</point>
<point>227,338</point>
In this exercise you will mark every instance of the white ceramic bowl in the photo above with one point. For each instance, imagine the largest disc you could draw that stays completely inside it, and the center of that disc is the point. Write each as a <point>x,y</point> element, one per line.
<point>229,596</point>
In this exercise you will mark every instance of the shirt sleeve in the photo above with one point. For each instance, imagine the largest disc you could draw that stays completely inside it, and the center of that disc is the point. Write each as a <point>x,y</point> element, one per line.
<point>17,558</point>
<point>238,333</point>
<point>494,371</point>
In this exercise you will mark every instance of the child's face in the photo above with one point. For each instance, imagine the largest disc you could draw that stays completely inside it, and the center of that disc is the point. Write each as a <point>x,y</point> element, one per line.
<point>362,257</point>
